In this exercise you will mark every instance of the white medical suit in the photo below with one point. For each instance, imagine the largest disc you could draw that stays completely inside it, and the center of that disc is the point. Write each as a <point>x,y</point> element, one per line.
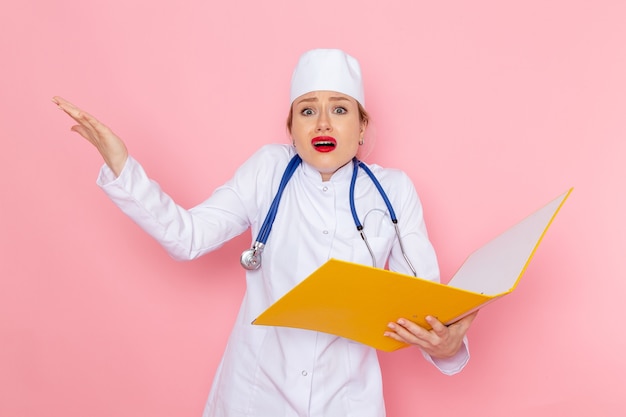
<point>282,372</point>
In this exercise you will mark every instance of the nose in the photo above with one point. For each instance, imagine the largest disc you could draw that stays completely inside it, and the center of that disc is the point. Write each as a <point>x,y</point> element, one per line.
<point>323,123</point>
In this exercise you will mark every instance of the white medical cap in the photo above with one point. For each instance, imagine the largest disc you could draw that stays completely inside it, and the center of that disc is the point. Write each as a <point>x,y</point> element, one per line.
<point>327,70</point>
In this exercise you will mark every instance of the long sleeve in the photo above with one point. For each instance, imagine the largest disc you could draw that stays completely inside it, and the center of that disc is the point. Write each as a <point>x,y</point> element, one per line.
<point>453,365</point>
<point>185,234</point>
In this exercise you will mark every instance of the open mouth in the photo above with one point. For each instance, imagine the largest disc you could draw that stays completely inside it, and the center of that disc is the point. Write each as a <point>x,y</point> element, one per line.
<point>324,143</point>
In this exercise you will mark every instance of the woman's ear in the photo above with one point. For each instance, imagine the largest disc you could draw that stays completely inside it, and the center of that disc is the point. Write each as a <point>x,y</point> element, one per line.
<point>363,128</point>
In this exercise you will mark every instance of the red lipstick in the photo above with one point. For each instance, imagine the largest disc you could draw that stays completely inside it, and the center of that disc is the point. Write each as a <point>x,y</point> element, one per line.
<point>324,143</point>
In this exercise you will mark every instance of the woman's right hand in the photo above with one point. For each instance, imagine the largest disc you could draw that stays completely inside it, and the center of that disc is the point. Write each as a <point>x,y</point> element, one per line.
<point>108,144</point>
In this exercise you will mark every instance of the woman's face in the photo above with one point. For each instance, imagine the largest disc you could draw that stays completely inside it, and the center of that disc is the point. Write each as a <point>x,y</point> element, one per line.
<point>326,130</point>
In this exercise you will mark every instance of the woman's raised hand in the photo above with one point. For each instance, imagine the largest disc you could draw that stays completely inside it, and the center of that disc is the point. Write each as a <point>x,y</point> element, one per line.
<point>110,146</point>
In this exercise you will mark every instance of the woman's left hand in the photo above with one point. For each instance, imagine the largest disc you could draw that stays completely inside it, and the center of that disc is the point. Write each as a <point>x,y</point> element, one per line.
<point>440,342</point>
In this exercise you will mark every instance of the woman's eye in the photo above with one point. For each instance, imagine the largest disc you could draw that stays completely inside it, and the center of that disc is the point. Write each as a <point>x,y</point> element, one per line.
<point>307,112</point>
<point>340,110</point>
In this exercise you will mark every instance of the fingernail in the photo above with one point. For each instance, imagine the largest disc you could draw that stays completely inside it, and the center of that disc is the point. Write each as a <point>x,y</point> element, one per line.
<point>401,322</point>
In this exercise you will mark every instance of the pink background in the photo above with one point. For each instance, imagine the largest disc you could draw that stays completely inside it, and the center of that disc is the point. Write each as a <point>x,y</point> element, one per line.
<point>492,107</point>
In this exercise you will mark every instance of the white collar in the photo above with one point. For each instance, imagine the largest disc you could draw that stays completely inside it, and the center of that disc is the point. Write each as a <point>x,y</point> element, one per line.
<point>342,175</point>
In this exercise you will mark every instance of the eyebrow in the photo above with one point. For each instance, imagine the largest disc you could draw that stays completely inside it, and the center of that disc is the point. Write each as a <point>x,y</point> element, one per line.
<point>313,99</point>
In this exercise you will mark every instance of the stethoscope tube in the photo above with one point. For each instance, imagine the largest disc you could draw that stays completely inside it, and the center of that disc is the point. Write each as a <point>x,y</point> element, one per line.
<point>251,258</point>
<point>392,213</point>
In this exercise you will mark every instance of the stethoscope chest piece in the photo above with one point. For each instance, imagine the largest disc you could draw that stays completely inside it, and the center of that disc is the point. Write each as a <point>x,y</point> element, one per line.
<point>251,258</point>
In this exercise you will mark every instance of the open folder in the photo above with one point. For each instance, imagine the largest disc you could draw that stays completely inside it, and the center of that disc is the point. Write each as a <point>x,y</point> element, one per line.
<point>357,301</point>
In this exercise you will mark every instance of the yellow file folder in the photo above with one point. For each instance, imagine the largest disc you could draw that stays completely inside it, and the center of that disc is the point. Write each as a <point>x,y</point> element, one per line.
<point>357,301</point>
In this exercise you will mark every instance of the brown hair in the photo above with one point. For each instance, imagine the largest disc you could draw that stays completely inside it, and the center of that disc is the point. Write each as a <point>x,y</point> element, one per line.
<point>364,116</point>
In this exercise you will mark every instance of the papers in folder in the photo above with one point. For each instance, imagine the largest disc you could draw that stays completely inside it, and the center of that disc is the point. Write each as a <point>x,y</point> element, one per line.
<point>357,301</point>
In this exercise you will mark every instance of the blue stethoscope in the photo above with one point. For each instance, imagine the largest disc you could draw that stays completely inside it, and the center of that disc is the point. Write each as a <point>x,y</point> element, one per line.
<point>251,258</point>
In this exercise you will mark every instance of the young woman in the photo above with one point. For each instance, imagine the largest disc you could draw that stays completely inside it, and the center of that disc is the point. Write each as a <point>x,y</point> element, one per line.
<point>274,371</point>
